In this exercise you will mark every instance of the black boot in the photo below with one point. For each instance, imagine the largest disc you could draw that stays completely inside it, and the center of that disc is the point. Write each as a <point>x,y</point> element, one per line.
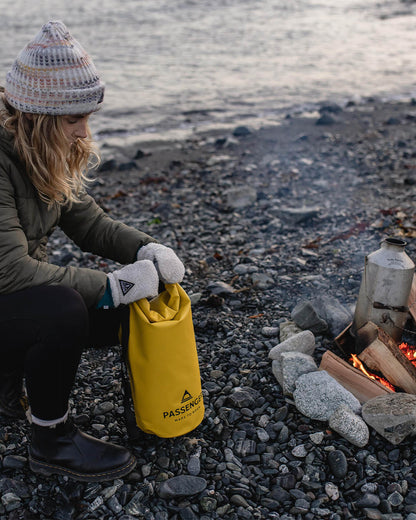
<point>11,394</point>
<point>64,450</point>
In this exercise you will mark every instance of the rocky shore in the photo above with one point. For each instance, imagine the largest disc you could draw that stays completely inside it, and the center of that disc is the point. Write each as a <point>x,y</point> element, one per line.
<point>262,220</point>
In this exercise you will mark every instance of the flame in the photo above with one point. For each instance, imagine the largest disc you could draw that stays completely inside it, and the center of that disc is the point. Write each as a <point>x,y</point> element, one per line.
<point>357,364</point>
<point>409,351</point>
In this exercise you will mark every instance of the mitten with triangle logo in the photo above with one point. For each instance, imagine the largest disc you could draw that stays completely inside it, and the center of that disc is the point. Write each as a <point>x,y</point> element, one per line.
<point>134,282</point>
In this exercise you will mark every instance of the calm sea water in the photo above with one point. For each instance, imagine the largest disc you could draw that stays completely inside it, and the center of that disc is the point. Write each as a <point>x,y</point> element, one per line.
<point>175,65</point>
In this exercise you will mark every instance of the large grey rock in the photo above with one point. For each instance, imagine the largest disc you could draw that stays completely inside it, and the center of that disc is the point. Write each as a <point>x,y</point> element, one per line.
<point>336,315</point>
<point>301,342</point>
<point>350,426</point>
<point>318,395</point>
<point>295,364</point>
<point>306,317</point>
<point>287,329</point>
<point>393,416</point>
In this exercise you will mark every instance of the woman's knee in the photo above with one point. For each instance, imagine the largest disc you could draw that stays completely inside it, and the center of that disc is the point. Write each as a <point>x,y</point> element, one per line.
<point>66,311</point>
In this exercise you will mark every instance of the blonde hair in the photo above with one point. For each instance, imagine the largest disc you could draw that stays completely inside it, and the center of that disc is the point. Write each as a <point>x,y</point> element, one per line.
<point>57,169</point>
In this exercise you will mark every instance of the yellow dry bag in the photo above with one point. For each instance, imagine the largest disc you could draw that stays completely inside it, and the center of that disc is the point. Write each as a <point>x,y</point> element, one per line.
<point>163,364</point>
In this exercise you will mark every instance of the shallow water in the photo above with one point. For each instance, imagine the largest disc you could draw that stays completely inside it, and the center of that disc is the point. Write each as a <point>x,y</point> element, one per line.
<point>172,66</point>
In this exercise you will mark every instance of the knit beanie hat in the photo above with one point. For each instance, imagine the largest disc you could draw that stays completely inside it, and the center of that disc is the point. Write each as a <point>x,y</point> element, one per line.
<point>54,75</point>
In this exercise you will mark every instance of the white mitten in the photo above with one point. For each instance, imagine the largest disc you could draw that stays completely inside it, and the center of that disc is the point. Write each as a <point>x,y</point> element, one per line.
<point>170,269</point>
<point>134,282</point>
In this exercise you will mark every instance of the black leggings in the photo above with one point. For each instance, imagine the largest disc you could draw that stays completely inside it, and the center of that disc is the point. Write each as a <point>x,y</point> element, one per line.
<point>43,331</point>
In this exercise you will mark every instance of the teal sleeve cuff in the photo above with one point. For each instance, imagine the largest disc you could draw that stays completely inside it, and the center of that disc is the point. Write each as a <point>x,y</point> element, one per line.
<point>106,301</point>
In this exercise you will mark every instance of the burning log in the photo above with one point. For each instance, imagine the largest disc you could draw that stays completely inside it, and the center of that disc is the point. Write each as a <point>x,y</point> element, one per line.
<point>360,385</point>
<point>382,354</point>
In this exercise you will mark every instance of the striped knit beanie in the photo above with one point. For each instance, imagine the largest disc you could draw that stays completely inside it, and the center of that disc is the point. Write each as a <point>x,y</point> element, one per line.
<point>54,75</point>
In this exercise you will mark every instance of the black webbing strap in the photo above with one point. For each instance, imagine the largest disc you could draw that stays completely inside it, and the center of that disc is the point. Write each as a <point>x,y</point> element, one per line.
<point>133,431</point>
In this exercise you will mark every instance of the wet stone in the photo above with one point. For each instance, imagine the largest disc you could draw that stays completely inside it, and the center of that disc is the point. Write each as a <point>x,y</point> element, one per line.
<point>338,464</point>
<point>238,500</point>
<point>103,408</point>
<point>10,501</point>
<point>212,387</point>
<point>241,399</point>
<point>161,515</point>
<point>332,491</point>
<point>317,437</point>
<point>301,507</point>
<point>288,481</point>
<point>373,514</point>
<point>411,497</point>
<point>241,131</point>
<point>395,499</point>
<point>245,447</point>
<point>96,503</point>
<point>14,462</point>
<point>64,512</point>
<point>300,451</point>
<point>114,505</point>
<point>134,507</point>
<point>194,466</point>
<point>368,500</point>
<point>182,486</point>
<point>270,332</point>
<point>208,504</point>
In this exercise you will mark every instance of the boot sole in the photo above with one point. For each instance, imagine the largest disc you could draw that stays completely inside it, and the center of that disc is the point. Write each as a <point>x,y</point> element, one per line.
<point>46,469</point>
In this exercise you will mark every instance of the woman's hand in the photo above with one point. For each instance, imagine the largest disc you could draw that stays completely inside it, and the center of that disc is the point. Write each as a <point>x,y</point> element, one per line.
<point>134,282</point>
<point>169,268</point>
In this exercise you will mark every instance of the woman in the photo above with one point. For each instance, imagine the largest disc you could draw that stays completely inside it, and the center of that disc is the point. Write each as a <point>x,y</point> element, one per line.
<point>50,313</point>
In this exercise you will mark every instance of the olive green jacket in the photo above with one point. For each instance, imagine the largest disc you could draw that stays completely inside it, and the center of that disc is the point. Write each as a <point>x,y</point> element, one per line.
<point>26,223</point>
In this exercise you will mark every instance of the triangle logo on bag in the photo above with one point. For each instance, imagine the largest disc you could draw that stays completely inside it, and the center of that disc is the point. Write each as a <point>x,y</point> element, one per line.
<point>125,286</point>
<point>186,396</point>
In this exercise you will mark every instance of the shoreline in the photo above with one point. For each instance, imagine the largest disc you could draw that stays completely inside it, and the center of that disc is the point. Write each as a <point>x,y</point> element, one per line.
<point>199,129</point>
<point>123,145</point>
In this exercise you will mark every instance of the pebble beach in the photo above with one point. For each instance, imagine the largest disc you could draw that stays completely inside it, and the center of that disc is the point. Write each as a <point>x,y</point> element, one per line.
<point>262,219</point>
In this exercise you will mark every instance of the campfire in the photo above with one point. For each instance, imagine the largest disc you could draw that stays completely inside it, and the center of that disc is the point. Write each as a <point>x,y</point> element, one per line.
<point>377,361</point>
<point>372,382</point>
